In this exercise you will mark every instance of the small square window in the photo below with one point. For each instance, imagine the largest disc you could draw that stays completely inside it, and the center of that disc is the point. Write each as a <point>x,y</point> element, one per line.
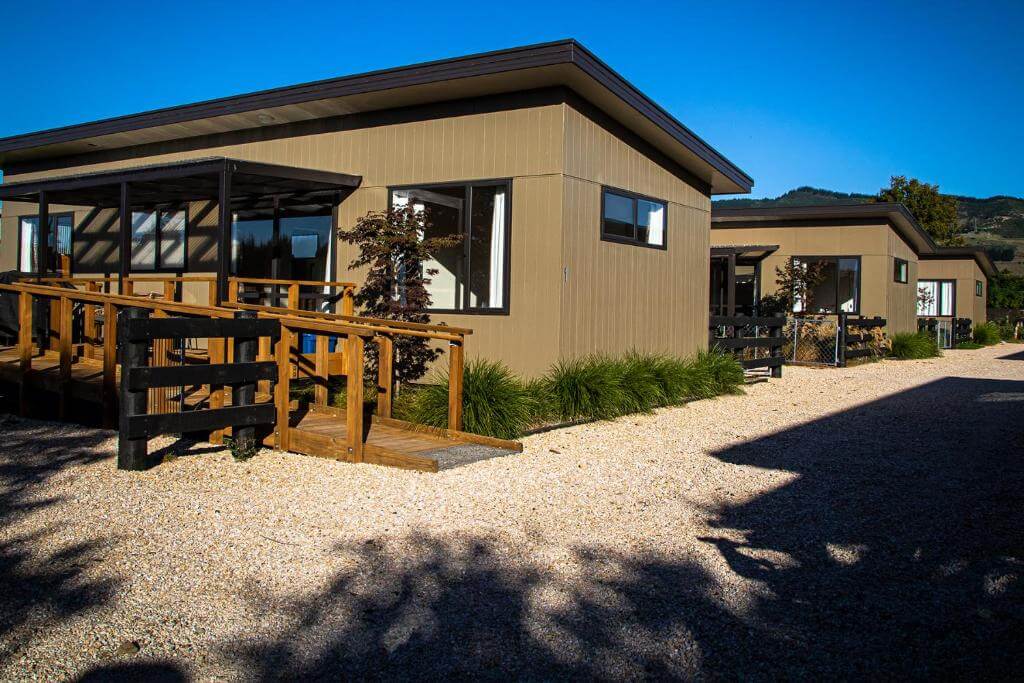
<point>979,288</point>
<point>633,219</point>
<point>900,271</point>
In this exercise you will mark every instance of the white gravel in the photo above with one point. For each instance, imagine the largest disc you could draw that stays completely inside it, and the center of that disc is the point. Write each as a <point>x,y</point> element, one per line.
<point>842,523</point>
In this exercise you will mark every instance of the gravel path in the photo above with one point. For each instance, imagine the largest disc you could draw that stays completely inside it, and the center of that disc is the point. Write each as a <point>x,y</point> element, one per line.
<point>842,523</point>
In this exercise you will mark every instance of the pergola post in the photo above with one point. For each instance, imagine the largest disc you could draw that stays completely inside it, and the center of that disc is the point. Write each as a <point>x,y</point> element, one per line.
<point>43,235</point>
<point>124,216</point>
<point>730,286</point>
<point>224,232</point>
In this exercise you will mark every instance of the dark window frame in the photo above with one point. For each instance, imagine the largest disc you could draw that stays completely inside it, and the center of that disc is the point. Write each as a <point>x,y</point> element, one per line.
<point>979,288</point>
<point>938,290</point>
<point>858,289</point>
<point>897,263</point>
<point>618,239</point>
<point>467,220</point>
<point>158,232</point>
<point>54,216</point>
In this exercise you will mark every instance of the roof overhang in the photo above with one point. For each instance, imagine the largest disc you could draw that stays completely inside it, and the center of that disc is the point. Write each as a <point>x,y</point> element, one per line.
<point>747,253</point>
<point>897,215</point>
<point>563,63</point>
<point>185,181</point>
<point>979,256</point>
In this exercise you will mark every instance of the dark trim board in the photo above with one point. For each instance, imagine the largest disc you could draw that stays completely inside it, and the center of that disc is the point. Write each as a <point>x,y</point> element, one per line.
<point>561,62</point>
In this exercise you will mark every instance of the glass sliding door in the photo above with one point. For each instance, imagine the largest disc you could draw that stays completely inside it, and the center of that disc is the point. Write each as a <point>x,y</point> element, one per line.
<point>59,241</point>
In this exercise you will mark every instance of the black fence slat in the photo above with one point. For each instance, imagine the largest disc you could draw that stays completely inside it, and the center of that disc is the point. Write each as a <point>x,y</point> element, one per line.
<point>770,362</point>
<point>142,378</point>
<point>745,321</point>
<point>142,329</point>
<point>750,342</point>
<point>145,426</point>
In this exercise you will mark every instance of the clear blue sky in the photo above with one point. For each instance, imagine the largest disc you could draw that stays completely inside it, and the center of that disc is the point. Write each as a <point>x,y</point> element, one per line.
<point>836,95</point>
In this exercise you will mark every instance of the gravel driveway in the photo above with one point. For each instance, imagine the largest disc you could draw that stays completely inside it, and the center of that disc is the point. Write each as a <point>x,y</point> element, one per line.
<point>846,523</point>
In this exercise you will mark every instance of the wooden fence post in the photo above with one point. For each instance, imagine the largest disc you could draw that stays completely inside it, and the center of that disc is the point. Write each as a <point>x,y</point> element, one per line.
<point>385,374</point>
<point>244,393</point>
<point>354,396</point>
<point>65,311</point>
<point>131,453</point>
<point>777,350</point>
<point>293,296</point>
<point>170,290</point>
<point>841,340</point>
<point>215,348</point>
<point>347,302</point>
<point>109,390</point>
<point>282,389</point>
<point>320,372</point>
<point>89,322</point>
<point>24,349</point>
<point>456,362</point>
<point>211,293</point>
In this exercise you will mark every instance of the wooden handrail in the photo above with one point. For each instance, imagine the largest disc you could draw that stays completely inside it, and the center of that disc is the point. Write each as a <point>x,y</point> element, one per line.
<point>396,326</point>
<point>272,281</point>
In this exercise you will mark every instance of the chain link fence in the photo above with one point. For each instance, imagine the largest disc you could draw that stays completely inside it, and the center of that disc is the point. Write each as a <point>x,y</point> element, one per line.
<point>811,341</point>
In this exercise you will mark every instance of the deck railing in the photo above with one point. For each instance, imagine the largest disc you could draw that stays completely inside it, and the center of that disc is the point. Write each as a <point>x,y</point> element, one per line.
<point>97,340</point>
<point>756,342</point>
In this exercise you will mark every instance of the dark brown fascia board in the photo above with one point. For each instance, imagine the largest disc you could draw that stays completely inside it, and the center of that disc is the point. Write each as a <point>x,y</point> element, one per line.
<point>980,256</point>
<point>500,61</point>
<point>896,214</point>
<point>176,169</point>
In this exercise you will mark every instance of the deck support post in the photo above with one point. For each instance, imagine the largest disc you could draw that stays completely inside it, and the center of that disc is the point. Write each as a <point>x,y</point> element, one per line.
<point>216,351</point>
<point>89,322</point>
<point>244,394</point>
<point>456,362</point>
<point>131,453</point>
<point>347,301</point>
<point>730,287</point>
<point>43,236</point>
<point>24,349</point>
<point>385,374</point>
<point>354,396</point>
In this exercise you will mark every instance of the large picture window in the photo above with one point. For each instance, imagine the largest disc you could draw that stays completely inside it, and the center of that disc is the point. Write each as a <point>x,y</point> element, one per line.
<point>58,241</point>
<point>158,239</point>
<point>633,219</point>
<point>936,298</point>
<point>839,289</point>
<point>473,276</point>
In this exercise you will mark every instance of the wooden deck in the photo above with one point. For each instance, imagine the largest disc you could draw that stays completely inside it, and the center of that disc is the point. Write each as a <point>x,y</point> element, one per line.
<point>314,429</point>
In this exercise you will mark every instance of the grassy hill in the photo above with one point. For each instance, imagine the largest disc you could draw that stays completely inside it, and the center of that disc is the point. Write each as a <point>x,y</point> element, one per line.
<point>994,223</point>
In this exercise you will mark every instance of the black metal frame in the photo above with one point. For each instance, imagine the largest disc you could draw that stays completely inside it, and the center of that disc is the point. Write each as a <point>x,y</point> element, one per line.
<point>54,216</point>
<point>159,267</point>
<point>899,263</point>
<point>836,258</point>
<point>617,239</point>
<point>939,293</point>
<point>467,219</point>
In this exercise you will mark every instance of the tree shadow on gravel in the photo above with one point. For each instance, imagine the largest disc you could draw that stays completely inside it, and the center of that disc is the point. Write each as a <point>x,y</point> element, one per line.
<point>902,533</point>
<point>39,587</point>
<point>896,551</point>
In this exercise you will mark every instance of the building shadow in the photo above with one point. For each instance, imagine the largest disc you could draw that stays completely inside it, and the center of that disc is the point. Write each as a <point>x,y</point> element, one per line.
<point>894,551</point>
<point>41,587</point>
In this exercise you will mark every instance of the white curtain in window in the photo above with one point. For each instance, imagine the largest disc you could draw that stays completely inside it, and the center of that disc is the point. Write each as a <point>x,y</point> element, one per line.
<point>930,291</point>
<point>496,293</point>
<point>28,242</point>
<point>798,299</point>
<point>946,300</point>
<point>656,223</point>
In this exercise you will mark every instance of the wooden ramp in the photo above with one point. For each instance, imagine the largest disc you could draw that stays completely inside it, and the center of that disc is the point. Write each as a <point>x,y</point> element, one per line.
<point>314,429</point>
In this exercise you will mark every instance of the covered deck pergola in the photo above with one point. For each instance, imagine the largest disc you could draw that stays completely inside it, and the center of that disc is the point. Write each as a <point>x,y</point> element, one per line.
<point>232,183</point>
<point>724,262</point>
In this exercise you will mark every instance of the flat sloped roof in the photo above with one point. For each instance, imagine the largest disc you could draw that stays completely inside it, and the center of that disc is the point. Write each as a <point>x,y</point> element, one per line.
<point>565,63</point>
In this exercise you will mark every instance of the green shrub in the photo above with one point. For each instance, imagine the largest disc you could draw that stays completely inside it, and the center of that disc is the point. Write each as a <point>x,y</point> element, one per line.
<point>987,334</point>
<point>585,388</point>
<point>1006,329</point>
<point>909,346</point>
<point>494,402</point>
<point>970,346</point>
<point>724,371</point>
<point>641,383</point>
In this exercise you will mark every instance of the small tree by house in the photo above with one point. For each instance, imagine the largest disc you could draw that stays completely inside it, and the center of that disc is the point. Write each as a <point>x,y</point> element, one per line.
<point>391,248</point>
<point>797,282</point>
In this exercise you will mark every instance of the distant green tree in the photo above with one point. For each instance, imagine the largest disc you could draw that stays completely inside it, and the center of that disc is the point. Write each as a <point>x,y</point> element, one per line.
<point>1006,290</point>
<point>937,213</point>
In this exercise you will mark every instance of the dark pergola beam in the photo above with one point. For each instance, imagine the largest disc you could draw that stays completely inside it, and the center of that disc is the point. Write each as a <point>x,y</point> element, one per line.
<point>125,218</point>
<point>43,234</point>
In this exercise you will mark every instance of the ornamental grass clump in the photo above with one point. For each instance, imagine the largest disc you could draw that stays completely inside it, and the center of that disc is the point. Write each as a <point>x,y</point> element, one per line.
<point>641,384</point>
<point>494,401</point>
<point>987,334</point>
<point>585,388</point>
<point>911,346</point>
<point>723,372</point>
